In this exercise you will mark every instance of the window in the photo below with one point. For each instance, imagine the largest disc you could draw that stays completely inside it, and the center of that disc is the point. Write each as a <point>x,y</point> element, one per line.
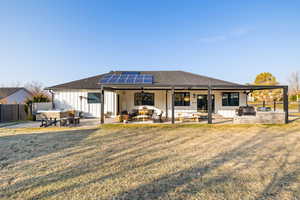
<point>182,99</point>
<point>230,99</point>
<point>94,98</point>
<point>144,99</point>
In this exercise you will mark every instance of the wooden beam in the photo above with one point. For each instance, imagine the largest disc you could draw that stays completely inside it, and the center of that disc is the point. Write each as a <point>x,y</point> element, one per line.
<point>209,105</point>
<point>173,106</point>
<point>102,106</point>
<point>286,104</point>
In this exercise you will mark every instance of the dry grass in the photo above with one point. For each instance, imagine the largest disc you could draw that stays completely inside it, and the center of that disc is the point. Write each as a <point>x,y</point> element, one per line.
<point>152,162</point>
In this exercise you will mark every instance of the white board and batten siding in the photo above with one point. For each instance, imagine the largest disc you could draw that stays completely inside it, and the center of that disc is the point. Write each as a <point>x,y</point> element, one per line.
<point>127,102</point>
<point>71,99</point>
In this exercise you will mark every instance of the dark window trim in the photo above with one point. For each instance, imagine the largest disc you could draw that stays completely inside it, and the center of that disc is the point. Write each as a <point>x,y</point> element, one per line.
<point>185,103</point>
<point>143,102</point>
<point>94,101</point>
<point>230,101</point>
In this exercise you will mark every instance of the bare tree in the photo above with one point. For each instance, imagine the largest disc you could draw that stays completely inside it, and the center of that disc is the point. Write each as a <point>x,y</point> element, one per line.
<point>35,87</point>
<point>294,81</point>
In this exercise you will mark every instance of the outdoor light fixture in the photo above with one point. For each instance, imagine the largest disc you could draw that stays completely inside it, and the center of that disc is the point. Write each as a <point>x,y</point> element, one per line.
<point>186,99</point>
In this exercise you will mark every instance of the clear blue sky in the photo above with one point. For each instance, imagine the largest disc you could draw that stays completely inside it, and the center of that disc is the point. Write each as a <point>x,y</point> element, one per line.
<point>57,41</point>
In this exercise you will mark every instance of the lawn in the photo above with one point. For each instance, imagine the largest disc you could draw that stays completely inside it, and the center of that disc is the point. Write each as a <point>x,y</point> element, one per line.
<point>152,162</point>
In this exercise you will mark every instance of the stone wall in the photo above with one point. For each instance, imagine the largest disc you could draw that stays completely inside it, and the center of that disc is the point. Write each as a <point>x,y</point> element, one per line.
<point>261,118</point>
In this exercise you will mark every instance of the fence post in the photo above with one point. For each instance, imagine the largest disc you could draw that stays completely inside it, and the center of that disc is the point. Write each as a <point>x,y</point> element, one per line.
<point>264,103</point>
<point>274,105</point>
<point>18,113</point>
<point>299,105</point>
<point>30,111</point>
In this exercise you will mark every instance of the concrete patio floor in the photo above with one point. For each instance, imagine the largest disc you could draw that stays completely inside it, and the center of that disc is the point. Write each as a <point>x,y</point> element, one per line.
<point>36,124</point>
<point>96,121</point>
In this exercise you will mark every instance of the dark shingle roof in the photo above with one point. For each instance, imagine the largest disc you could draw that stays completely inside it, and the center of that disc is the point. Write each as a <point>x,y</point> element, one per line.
<point>7,91</point>
<point>160,78</point>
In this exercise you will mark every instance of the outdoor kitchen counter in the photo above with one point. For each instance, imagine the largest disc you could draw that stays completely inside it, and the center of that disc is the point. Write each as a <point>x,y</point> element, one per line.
<point>261,118</point>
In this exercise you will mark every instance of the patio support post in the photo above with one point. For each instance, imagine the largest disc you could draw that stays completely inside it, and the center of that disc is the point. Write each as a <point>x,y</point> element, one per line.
<point>166,104</point>
<point>209,105</point>
<point>102,106</point>
<point>173,102</point>
<point>286,104</point>
<point>52,100</point>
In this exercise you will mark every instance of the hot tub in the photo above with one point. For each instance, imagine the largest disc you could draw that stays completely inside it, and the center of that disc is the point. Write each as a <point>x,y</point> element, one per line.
<point>58,114</point>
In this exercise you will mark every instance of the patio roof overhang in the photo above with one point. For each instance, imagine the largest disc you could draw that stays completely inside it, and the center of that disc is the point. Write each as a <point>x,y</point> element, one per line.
<point>207,87</point>
<point>191,87</point>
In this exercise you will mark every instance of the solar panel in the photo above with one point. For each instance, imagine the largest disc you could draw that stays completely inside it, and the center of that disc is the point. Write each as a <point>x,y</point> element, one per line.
<point>127,79</point>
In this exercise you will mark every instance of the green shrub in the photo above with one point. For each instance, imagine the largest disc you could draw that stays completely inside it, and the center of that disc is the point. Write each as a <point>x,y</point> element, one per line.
<point>37,98</point>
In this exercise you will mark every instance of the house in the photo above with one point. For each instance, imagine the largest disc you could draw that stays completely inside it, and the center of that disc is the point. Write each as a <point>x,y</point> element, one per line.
<point>172,92</point>
<point>14,95</point>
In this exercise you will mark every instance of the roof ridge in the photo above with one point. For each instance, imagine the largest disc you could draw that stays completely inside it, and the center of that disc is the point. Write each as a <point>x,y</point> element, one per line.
<point>7,91</point>
<point>161,77</point>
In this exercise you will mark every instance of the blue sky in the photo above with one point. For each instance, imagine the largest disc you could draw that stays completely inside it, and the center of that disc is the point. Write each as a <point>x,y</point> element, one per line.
<point>59,40</point>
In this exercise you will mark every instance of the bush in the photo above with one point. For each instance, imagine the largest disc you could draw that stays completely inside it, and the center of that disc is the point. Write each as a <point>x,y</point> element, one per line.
<point>37,98</point>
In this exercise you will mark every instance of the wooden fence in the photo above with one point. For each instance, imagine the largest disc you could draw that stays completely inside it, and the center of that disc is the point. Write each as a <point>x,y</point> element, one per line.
<point>12,112</point>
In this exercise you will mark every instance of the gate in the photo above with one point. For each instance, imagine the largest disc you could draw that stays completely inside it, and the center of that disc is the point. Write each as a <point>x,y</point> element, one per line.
<point>12,112</point>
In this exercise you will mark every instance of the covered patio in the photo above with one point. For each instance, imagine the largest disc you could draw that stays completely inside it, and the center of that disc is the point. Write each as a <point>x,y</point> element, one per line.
<point>172,112</point>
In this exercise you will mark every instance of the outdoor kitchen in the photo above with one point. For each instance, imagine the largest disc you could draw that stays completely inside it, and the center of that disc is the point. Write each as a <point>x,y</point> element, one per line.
<point>260,115</point>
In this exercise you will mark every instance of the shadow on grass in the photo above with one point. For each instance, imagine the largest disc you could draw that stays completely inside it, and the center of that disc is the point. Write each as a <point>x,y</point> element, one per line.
<point>98,158</point>
<point>192,178</point>
<point>15,148</point>
<point>125,147</point>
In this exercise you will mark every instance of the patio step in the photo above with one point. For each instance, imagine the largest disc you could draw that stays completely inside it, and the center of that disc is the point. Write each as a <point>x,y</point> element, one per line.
<point>217,116</point>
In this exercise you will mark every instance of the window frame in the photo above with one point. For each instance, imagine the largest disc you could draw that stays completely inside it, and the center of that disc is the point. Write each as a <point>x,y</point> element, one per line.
<point>142,98</point>
<point>93,100</point>
<point>182,102</point>
<point>230,100</point>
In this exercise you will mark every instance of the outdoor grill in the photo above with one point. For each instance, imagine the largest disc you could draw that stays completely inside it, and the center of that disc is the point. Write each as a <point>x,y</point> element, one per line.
<point>246,110</point>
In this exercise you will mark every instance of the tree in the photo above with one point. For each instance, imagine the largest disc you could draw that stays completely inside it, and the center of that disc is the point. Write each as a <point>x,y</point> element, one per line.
<point>294,82</point>
<point>37,98</point>
<point>36,88</point>
<point>266,78</point>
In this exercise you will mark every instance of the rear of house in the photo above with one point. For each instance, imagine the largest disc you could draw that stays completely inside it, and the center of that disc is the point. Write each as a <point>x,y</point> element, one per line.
<point>174,93</point>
